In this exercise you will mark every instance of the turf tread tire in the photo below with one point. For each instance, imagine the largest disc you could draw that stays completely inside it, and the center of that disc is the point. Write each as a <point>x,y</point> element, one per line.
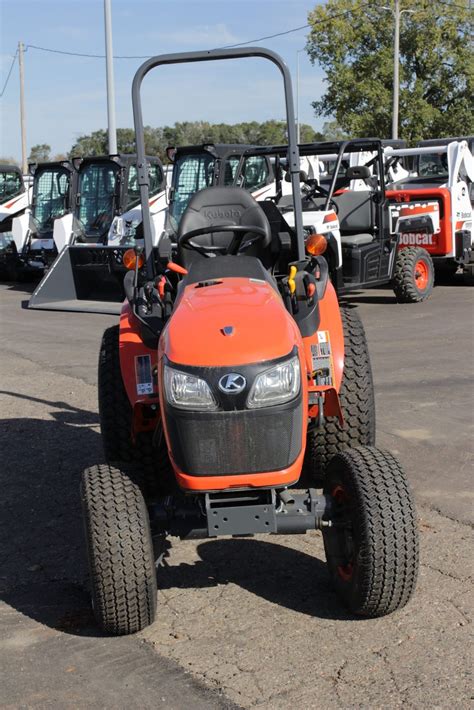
<point>120,550</point>
<point>357,402</point>
<point>403,282</point>
<point>385,530</point>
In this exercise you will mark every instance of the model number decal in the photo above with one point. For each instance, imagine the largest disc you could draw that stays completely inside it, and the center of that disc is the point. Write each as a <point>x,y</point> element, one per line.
<point>323,368</point>
<point>143,374</point>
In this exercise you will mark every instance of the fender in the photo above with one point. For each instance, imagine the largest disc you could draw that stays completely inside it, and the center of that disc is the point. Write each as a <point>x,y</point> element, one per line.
<point>146,411</point>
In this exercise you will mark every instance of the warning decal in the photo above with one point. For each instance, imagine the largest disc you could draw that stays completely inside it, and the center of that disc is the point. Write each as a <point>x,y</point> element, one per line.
<point>143,374</point>
<point>323,369</point>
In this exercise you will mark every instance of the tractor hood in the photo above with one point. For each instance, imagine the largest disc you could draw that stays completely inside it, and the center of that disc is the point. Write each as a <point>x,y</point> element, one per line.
<point>229,321</point>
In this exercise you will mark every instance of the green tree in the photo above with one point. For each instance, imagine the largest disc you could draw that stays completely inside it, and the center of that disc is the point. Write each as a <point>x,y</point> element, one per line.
<point>5,160</point>
<point>39,153</point>
<point>190,133</point>
<point>352,40</point>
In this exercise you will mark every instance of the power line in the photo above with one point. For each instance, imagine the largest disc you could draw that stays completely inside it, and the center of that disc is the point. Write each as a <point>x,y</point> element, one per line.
<point>102,56</point>
<point>259,39</point>
<point>9,73</point>
<point>81,54</point>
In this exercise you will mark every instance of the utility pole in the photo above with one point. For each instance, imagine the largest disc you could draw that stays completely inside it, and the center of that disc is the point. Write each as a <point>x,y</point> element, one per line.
<point>397,13</point>
<point>396,65</point>
<point>109,63</point>
<point>24,163</point>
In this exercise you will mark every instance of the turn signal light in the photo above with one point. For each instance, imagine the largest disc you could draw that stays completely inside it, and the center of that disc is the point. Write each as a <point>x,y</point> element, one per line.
<point>316,244</point>
<point>130,259</point>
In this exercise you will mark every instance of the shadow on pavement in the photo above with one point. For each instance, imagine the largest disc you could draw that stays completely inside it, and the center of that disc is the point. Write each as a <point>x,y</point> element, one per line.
<point>292,579</point>
<point>43,570</point>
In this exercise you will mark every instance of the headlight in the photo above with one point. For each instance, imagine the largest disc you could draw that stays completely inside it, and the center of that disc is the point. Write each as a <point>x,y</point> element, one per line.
<point>187,391</point>
<point>277,385</point>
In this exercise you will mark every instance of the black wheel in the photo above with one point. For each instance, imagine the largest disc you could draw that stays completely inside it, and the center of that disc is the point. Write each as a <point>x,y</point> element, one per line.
<point>357,403</point>
<point>372,546</point>
<point>147,457</point>
<point>413,277</point>
<point>115,411</point>
<point>120,551</point>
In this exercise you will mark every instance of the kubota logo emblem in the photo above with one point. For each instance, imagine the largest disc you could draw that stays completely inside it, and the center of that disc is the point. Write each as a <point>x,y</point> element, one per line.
<point>233,383</point>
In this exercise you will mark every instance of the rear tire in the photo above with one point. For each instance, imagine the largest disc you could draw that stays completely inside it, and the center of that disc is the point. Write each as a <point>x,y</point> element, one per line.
<point>372,548</point>
<point>413,277</point>
<point>115,411</point>
<point>357,403</point>
<point>120,551</point>
<point>150,464</point>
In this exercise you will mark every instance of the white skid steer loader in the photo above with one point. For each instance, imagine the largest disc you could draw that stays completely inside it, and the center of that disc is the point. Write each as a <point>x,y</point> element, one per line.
<point>15,196</point>
<point>432,208</point>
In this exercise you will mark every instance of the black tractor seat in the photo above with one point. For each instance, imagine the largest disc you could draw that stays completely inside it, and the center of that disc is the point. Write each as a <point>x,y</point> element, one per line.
<point>356,216</point>
<point>222,206</point>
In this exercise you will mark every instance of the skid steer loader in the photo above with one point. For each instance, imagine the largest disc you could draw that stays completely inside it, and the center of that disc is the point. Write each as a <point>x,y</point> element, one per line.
<point>234,364</point>
<point>15,197</point>
<point>432,208</point>
<point>35,231</point>
<point>105,220</point>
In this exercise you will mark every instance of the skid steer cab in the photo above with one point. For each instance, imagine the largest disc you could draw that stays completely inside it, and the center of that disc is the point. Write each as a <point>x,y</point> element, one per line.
<point>234,376</point>
<point>33,232</point>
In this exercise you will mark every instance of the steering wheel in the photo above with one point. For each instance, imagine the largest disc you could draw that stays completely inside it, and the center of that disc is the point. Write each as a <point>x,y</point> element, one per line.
<point>321,192</point>
<point>235,247</point>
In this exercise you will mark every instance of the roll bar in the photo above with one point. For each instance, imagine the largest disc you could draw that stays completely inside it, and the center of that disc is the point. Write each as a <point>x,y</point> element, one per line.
<point>206,56</point>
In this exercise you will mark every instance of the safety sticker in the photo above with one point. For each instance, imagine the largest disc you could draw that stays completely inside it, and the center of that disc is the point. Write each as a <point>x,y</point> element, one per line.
<point>143,374</point>
<point>323,367</point>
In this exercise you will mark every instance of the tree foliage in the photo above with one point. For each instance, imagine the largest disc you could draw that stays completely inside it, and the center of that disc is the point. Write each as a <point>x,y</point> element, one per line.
<point>39,153</point>
<point>352,40</point>
<point>191,133</point>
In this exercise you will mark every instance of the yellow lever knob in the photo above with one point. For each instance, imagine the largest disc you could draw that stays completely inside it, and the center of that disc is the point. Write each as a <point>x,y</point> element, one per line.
<point>291,279</point>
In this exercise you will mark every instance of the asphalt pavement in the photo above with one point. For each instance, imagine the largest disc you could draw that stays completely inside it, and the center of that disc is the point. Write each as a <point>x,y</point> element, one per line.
<point>241,622</point>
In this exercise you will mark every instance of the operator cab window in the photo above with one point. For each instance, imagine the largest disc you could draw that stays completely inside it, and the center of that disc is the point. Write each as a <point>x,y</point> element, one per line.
<point>433,165</point>
<point>98,189</point>
<point>191,173</point>
<point>50,197</point>
<point>11,185</point>
<point>254,173</point>
<point>156,177</point>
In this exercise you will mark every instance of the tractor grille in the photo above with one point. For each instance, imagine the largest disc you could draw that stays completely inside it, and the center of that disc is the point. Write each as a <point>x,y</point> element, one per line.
<point>236,442</point>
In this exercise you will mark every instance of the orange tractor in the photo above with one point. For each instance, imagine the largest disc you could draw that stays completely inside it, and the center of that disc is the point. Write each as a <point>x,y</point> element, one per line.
<point>233,375</point>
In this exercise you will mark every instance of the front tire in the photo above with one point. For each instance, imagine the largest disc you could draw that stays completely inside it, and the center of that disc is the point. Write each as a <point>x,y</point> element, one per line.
<point>372,546</point>
<point>120,551</point>
<point>413,277</point>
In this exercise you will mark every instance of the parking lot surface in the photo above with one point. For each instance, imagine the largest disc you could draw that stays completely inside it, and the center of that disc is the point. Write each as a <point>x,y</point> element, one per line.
<point>241,622</point>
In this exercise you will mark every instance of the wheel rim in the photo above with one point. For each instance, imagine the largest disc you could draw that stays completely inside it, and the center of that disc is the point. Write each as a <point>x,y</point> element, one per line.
<point>422,274</point>
<point>345,569</point>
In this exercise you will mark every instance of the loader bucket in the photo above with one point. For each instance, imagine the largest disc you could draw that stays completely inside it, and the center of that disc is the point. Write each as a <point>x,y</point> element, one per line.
<point>84,278</point>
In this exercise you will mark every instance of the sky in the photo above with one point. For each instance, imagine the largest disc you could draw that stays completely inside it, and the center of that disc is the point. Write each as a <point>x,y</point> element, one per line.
<point>65,96</point>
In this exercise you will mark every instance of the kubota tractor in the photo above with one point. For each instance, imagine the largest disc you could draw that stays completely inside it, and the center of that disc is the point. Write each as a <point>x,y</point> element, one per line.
<point>232,372</point>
